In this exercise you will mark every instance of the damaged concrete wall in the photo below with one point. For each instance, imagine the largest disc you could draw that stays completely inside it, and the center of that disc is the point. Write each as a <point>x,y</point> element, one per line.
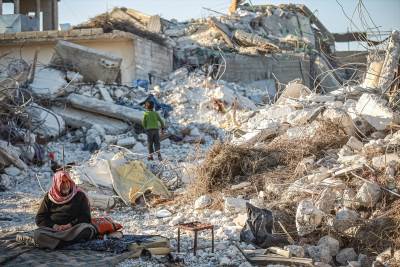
<point>122,48</point>
<point>152,58</point>
<point>284,67</point>
<point>140,56</point>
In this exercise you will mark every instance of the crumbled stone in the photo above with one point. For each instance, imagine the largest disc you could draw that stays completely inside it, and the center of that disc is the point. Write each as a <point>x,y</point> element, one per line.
<point>308,217</point>
<point>346,255</point>
<point>202,202</point>
<point>319,253</point>
<point>12,171</point>
<point>296,251</point>
<point>368,195</point>
<point>235,204</point>
<point>330,243</point>
<point>345,218</point>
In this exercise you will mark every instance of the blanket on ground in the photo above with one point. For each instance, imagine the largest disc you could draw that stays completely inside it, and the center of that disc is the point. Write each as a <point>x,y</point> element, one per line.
<point>49,238</point>
<point>16,254</point>
<point>113,245</point>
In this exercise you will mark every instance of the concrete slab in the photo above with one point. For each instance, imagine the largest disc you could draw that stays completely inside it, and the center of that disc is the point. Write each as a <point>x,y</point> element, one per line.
<point>79,118</point>
<point>93,64</point>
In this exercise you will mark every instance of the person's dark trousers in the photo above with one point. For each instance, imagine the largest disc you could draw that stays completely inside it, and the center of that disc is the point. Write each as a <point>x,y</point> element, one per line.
<point>153,140</point>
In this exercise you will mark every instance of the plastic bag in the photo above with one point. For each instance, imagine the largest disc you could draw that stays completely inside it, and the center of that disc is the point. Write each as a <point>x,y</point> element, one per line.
<point>258,228</point>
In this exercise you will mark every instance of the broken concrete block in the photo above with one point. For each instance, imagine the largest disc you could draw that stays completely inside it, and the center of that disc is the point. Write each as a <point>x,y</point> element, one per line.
<point>93,64</point>
<point>368,194</point>
<point>110,139</point>
<point>48,83</point>
<point>305,131</point>
<point>45,122</point>
<point>345,255</point>
<point>163,213</point>
<point>308,217</point>
<point>355,144</point>
<point>9,155</point>
<point>349,198</point>
<point>232,204</point>
<point>375,111</point>
<point>303,116</point>
<point>127,142</point>
<point>340,118</point>
<point>296,251</point>
<point>76,118</point>
<point>240,186</point>
<point>345,218</point>
<point>112,110</point>
<point>74,77</point>
<point>326,201</point>
<point>195,132</point>
<point>94,137</point>
<point>12,171</point>
<point>383,161</point>
<point>319,253</point>
<point>373,72</point>
<point>378,135</point>
<point>330,243</point>
<point>5,182</point>
<point>390,63</point>
<point>320,98</point>
<point>228,96</point>
<point>202,202</point>
<point>251,39</point>
<point>139,148</point>
<point>293,90</point>
<point>104,92</point>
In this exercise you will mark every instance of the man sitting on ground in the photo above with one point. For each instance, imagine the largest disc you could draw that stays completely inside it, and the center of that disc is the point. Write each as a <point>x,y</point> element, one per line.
<point>64,214</point>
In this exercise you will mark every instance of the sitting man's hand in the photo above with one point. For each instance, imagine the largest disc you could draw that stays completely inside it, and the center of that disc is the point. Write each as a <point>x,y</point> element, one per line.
<point>61,227</point>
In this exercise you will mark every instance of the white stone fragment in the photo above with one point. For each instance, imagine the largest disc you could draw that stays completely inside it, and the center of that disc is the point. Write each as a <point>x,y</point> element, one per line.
<point>163,213</point>
<point>202,202</point>
<point>308,217</point>
<point>375,111</point>
<point>368,195</point>
<point>232,204</point>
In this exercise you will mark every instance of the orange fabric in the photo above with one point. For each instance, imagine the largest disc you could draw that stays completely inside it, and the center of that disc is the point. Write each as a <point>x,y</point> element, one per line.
<point>105,225</point>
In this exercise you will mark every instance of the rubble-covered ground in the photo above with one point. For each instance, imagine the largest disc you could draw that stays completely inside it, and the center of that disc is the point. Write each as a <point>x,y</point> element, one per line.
<point>327,166</point>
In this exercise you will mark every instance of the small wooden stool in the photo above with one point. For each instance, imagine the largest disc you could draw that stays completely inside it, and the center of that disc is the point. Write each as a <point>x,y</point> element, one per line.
<point>195,227</point>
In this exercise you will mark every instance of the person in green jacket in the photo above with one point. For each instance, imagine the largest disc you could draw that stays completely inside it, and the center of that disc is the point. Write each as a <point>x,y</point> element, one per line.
<point>151,124</point>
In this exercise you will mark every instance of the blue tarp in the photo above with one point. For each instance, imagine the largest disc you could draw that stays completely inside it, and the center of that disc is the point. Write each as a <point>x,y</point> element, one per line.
<point>141,83</point>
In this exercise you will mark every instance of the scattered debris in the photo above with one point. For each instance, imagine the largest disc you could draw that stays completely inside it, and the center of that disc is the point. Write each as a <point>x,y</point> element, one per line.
<point>268,140</point>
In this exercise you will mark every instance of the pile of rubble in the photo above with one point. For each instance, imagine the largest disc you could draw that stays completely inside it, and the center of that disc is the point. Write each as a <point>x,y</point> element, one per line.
<point>341,196</point>
<point>323,159</point>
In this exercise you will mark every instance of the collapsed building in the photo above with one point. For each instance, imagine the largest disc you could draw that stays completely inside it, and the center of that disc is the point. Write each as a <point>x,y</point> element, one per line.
<point>260,112</point>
